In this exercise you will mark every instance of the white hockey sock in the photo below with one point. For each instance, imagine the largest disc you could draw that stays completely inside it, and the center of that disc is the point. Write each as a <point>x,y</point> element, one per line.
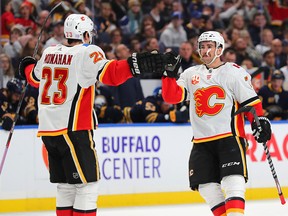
<point>86,199</point>
<point>234,187</point>
<point>214,197</point>
<point>65,199</point>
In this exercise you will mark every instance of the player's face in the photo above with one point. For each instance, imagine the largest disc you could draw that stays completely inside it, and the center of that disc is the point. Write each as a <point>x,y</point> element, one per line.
<point>207,51</point>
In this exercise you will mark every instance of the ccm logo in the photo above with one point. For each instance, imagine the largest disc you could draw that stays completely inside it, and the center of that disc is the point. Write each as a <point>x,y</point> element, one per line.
<point>230,164</point>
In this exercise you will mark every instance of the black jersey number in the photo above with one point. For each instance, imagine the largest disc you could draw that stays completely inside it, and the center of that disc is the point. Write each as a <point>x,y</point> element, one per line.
<point>60,75</point>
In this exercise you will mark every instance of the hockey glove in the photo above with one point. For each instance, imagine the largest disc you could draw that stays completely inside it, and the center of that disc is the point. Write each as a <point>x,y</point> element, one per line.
<point>7,121</point>
<point>262,134</point>
<point>172,64</point>
<point>28,60</point>
<point>179,116</point>
<point>146,62</point>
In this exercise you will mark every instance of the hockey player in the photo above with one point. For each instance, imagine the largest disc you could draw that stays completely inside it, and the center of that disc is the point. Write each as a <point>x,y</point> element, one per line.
<point>9,99</point>
<point>216,90</point>
<point>153,109</point>
<point>66,77</point>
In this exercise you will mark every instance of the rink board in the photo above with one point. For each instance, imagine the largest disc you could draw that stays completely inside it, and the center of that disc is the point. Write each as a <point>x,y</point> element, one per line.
<point>141,164</point>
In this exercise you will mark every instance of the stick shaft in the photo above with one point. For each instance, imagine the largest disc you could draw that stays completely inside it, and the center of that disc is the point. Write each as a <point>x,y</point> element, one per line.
<point>23,94</point>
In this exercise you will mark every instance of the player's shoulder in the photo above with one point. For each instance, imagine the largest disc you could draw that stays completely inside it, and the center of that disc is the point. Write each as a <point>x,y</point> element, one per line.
<point>194,69</point>
<point>233,69</point>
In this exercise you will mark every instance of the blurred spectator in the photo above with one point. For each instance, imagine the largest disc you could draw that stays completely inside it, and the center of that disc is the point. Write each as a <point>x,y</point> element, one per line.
<point>229,8</point>
<point>194,27</point>
<point>7,69</point>
<point>149,32</point>
<point>241,49</point>
<point>80,6</point>
<point>266,37</point>
<point>280,57</point>
<point>108,50</point>
<point>229,55</point>
<point>153,44</point>
<point>237,22</point>
<point>158,7</point>
<point>26,10</point>
<point>249,10</point>
<point>284,69</point>
<point>7,20</point>
<point>116,38</point>
<point>232,36</point>
<point>106,109</point>
<point>154,109</point>
<point>47,29</point>
<point>28,43</point>
<point>269,62</point>
<point>9,98</point>
<point>58,36</point>
<point>119,8</point>
<point>174,34</point>
<point>135,16</point>
<point>13,47</point>
<point>105,22</point>
<point>256,26</point>
<point>135,45</point>
<point>185,51</point>
<point>274,98</point>
<point>30,106</point>
<point>130,91</point>
<point>257,79</point>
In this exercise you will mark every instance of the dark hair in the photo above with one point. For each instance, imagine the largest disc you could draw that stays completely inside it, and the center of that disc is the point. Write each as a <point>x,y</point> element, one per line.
<point>229,50</point>
<point>70,41</point>
<point>267,53</point>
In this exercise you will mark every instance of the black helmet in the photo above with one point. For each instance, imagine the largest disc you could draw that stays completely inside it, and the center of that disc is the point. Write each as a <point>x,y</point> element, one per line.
<point>278,74</point>
<point>15,85</point>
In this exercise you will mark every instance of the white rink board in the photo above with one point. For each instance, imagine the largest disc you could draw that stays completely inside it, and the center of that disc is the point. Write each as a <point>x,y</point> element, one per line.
<point>151,158</point>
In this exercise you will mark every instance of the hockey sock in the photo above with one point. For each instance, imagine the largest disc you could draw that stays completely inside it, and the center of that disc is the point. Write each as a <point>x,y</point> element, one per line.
<point>214,197</point>
<point>77,212</point>
<point>64,211</point>
<point>86,199</point>
<point>235,206</point>
<point>65,199</point>
<point>219,210</point>
<point>234,187</point>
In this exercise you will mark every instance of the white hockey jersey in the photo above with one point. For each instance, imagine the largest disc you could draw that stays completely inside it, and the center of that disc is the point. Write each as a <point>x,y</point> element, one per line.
<point>215,94</point>
<point>67,77</point>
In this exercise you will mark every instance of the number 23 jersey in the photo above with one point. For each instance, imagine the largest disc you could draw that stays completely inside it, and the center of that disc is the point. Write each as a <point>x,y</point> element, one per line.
<point>67,77</point>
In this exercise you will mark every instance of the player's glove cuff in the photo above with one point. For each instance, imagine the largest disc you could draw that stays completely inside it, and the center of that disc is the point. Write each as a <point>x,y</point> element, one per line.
<point>28,60</point>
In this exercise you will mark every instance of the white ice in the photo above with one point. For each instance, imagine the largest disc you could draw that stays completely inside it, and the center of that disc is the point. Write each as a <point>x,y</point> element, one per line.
<point>253,208</point>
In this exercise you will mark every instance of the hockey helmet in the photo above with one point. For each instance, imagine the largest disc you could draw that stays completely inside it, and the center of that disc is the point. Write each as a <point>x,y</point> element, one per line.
<point>277,74</point>
<point>212,36</point>
<point>15,85</point>
<point>157,93</point>
<point>76,24</point>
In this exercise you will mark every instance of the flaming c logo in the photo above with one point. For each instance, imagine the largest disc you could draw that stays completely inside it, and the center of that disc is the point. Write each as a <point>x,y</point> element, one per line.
<point>202,98</point>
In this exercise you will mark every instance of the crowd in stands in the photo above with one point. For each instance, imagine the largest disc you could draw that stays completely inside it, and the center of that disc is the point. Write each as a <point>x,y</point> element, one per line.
<point>255,32</point>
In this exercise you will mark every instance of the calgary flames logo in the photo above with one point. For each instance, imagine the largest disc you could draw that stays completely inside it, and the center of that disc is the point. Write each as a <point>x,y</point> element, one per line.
<point>202,98</point>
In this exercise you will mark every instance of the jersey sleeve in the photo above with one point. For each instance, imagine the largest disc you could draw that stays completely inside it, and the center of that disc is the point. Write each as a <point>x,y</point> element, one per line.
<point>244,92</point>
<point>95,67</point>
<point>173,92</point>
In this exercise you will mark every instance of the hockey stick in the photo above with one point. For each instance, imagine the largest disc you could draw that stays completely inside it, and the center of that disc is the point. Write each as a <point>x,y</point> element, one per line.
<point>23,93</point>
<point>251,109</point>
